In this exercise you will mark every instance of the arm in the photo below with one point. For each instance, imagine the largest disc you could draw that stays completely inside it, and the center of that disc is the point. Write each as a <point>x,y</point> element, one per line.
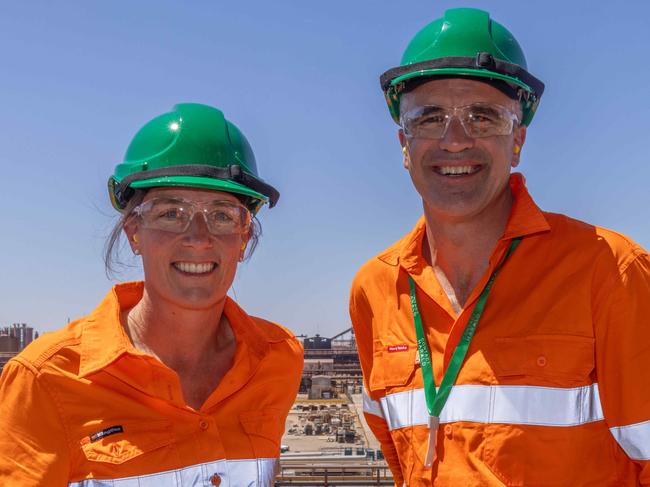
<point>33,446</point>
<point>361,316</point>
<point>377,424</point>
<point>621,322</point>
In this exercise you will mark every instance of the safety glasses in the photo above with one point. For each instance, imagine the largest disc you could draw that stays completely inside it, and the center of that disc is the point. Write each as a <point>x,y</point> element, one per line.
<point>175,215</point>
<point>477,119</point>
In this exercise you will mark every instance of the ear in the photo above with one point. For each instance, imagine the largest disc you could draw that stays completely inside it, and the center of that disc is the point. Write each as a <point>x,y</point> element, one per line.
<point>405,149</point>
<point>131,229</point>
<point>519,140</point>
<point>244,243</point>
<point>242,250</point>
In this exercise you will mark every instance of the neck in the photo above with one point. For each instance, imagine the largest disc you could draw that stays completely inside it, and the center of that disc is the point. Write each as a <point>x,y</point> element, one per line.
<point>461,247</point>
<point>182,339</point>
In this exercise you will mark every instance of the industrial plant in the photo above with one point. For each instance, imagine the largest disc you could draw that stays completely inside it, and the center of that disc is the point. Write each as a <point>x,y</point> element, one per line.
<point>327,440</point>
<point>13,339</point>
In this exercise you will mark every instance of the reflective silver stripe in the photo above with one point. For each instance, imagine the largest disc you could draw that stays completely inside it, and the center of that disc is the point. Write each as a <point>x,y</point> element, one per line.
<point>370,406</point>
<point>634,439</point>
<point>531,405</point>
<point>233,473</point>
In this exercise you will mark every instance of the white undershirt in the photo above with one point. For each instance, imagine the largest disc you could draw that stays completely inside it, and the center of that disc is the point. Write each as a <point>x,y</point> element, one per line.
<point>446,285</point>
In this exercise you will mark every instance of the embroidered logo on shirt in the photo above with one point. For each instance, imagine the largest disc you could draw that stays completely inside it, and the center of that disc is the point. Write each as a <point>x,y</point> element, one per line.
<point>397,348</point>
<point>107,432</point>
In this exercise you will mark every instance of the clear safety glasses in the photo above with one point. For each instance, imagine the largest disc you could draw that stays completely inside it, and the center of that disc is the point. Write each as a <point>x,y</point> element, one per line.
<point>175,215</point>
<point>478,120</point>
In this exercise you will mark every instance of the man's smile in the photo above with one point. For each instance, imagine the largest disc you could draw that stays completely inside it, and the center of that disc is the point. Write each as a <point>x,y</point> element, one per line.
<point>457,170</point>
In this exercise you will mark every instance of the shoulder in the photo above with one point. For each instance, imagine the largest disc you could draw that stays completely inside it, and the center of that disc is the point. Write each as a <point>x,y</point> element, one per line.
<point>606,247</point>
<point>279,337</point>
<point>57,350</point>
<point>273,332</point>
<point>262,334</point>
<point>29,380</point>
<point>622,249</point>
<point>284,347</point>
<point>378,272</point>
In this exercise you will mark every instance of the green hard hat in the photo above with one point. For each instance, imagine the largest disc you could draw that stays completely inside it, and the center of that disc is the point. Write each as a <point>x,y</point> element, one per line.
<point>464,43</point>
<point>193,145</point>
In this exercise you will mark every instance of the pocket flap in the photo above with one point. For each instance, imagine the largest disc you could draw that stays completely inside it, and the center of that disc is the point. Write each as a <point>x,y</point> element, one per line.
<point>554,356</point>
<point>397,363</point>
<point>133,440</point>
<point>267,423</point>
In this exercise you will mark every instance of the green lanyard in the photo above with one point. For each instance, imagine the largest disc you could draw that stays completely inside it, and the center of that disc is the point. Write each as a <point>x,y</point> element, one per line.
<point>436,399</point>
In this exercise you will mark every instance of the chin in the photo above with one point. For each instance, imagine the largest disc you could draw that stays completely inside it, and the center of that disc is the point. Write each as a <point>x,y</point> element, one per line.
<point>456,209</point>
<point>197,296</point>
<point>189,293</point>
<point>197,299</point>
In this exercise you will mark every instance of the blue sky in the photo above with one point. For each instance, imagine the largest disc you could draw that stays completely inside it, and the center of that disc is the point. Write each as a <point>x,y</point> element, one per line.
<point>300,79</point>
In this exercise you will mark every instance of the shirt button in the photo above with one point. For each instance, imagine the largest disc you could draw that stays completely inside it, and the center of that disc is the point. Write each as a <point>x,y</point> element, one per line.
<point>215,480</point>
<point>541,361</point>
<point>448,430</point>
<point>204,425</point>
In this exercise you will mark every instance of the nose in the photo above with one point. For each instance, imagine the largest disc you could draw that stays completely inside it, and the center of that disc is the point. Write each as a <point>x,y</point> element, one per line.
<point>197,233</point>
<point>455,138</point>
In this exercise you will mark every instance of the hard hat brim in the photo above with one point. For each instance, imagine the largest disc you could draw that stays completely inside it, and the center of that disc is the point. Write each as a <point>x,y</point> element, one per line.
<point>229,178</point>
<point>199,182</point>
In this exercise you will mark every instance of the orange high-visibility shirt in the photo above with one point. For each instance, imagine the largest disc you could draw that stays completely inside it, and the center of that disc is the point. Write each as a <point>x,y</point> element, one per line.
<point>83,407</point>
<point>555,387</point>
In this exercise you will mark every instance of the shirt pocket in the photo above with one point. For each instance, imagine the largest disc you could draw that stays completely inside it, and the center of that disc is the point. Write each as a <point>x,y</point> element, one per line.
<point>548,431</point>
<point>132,442</point>
<point>563,360</point>
<point>393,366</point>
<point>264,429</point>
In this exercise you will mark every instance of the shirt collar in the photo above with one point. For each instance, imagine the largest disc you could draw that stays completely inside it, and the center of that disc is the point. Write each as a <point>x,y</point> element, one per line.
<point>525,219</point>
<point>104,340</point>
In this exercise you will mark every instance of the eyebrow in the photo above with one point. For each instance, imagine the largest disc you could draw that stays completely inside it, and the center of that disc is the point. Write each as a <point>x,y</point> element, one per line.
<point>167,199</point>
<point>484,109</point>
<point>431,109</point>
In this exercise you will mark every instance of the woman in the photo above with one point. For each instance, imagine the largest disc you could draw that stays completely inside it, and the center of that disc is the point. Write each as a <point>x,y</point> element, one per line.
<point>168,382</point>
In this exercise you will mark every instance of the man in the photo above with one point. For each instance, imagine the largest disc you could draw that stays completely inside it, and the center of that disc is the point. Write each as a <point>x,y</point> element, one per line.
<point>500,345</point>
